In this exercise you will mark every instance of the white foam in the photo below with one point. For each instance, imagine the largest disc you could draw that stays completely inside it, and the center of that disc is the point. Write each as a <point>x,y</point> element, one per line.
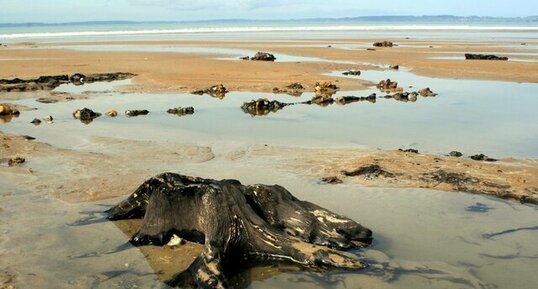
<point>272,29</point>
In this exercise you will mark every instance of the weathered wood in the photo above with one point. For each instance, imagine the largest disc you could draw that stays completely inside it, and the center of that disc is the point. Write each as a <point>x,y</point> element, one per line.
<point>239,226</point>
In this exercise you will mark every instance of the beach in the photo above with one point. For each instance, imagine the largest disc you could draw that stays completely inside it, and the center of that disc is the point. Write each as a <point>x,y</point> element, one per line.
<point>440,219</point>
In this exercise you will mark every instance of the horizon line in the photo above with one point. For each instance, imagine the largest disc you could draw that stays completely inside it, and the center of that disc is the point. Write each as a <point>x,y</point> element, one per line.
<point>447,16</point>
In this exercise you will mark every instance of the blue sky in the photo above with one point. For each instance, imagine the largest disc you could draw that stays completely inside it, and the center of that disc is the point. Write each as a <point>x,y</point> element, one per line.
<point>180,10</point>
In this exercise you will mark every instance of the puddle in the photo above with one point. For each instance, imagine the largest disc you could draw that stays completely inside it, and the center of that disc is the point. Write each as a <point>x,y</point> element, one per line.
<point>94,87</point>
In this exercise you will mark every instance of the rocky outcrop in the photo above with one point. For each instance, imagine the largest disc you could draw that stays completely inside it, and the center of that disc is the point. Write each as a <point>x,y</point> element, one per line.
<point>50,82</point>
<point>240,227</point>
<point>383,44</point>
<point>470,56</point>
<point>218,91</point>
<point>262,106</point>
<point>263,56</point>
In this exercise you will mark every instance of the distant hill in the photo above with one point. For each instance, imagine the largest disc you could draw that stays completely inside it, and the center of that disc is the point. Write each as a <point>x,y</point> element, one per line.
<point>388,18</point>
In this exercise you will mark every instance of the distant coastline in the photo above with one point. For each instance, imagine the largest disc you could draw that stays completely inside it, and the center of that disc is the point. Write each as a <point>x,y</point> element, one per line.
<point>387,18</point>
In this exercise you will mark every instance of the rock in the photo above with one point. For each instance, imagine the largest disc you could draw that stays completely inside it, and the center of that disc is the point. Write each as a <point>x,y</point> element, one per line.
<point>218,91</point>
<point>455,154</point>
<point>394,67</point>
<point>263,56</point>
<point>77,79</point>
<point>175,240</point>
<point>46,100</point>
<point>48,119</point>
<point>180,111</point>
<point>352,72</point>
<point>383,44</point>
<point>482,157</point>
<point>404,96</point>
<point>331,180</point>
<point>36,122</point>
<point>369,171</point>
<point>322,99</point>
<point>470,56</point>
<point>6,109</point>
<point>85,115</point>
<point>240,226</point>
<point>244,57</point>
<point>136,112</point>
<point>325,86</point>
<point>16,161</point>
<point>414,151</point>
<point>389,85</point>
<point>343,100</point>
<point>370,49</point>
<point>294,89</point>
<point>112,113</point>
<point>426,92</point>
<point>262,106</point>
<point>50,82</point>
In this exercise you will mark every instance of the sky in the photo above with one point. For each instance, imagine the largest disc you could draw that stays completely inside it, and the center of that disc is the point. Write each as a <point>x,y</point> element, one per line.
<point>17,11</point>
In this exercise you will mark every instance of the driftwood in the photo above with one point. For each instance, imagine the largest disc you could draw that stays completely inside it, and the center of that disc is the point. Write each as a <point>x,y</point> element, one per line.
<point>240,227</point>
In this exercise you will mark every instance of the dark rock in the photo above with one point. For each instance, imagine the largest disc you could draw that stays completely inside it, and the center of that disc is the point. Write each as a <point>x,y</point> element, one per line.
<point>350,99</point>
<point>108,77</point>
<point>16,161</point>
<point>46,100</point>
<point>414,151</point>
<point>482,157</point>
<point>36,121</point>
<point>6,109</point>
<point>263,56</point>
<point>240,226</point>
<point>77,79</point>
<point>352,72</point>
<point>394,67</point>
<point>245,58</point>
<point>370,171</point>
<point>370,49</point>
<point>86,115</point>
<point>470,56</point>
<point>383,44</point>
<point>322,99</point>
<point>180,111</point>
<point>331,180</point>
<point>404,96</point>
<point>262,106</point>
<point>136,112</point>
<point>455,154</point>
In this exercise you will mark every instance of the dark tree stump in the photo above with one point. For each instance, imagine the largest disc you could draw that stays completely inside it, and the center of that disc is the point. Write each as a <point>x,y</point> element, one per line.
<point>240,226</point>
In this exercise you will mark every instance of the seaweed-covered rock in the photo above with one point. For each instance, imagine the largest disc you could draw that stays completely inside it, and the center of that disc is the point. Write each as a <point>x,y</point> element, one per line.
<point>263,56</point>
<point>240,227</point>
<point>471,56</point>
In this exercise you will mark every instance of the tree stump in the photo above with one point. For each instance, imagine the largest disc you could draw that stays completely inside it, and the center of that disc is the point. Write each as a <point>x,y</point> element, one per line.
<point>240,226</point>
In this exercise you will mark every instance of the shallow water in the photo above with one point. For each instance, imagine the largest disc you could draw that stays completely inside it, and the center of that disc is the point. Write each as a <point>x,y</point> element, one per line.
<point>468,115</point>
